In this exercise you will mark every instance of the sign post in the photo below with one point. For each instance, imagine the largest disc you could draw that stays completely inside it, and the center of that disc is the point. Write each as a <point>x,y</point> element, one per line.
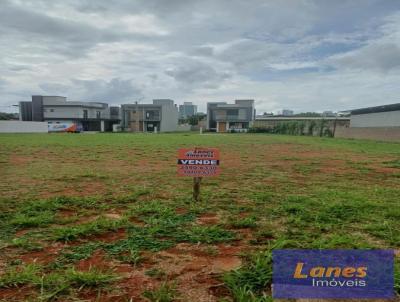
<point>198,163</point>
<point>196,188</point>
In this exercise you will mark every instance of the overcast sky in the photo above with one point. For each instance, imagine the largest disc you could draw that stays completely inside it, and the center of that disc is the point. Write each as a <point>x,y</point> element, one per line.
<point>299,54</point>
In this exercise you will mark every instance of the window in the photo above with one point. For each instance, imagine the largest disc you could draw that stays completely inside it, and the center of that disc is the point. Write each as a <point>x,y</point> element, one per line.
<point>152,114</point>
<point>98,114</point>
<point>232,112</point>
<point>85,114</point>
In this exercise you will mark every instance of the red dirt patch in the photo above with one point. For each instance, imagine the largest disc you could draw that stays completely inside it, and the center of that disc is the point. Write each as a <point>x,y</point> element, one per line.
<point>197,271</point>
<point>134,286</point>
<point>181,211</point>
<point>207,219</point>
<point>222,264</point>
<point>113,215</point>
<point>15,294</point>
<point>96,260</point>
<point>21,232</point>
<point>111,236</point>
<point>44,256</point>
<point>16,159</point>
<point>136,221</point>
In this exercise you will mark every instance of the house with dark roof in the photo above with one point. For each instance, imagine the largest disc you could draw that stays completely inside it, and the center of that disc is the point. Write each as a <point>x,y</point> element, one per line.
<point>378,116</point>
<point>377,123</point>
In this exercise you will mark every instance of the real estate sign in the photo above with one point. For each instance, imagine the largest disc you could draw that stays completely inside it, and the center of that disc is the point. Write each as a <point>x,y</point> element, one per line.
<point>198,162</point>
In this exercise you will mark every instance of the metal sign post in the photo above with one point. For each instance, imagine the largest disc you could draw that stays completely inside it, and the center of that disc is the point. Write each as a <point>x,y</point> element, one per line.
<point>196,188</point>
<point>198,163</point>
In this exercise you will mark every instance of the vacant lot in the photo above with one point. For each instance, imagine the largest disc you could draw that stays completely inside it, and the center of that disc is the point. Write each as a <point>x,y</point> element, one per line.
<point>104,217</point>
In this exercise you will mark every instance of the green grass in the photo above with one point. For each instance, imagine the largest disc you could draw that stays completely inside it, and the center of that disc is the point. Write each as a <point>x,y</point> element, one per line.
<point>165,293</point>
<point>93,277</point>
<point>80,252</point>
<point>98,226</point>
<point>26,243</point>
<point>393,163</point>
<point>54,284</point>
<point>246,222</point>
<point>274,190</point>
<point>20,275</point>
<point>251,280</point>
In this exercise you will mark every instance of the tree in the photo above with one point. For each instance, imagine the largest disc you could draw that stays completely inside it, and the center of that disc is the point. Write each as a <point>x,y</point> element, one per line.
<point>4,116</point>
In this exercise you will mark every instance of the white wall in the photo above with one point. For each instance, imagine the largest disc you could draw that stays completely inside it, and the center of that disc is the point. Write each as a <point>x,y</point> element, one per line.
<point>169,118</point>
<point>184,128</point>
<point>23,127</point>
<point>377,119</point>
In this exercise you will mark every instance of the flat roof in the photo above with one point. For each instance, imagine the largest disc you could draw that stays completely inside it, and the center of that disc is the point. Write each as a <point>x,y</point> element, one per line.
<point>271,118</point>
<point>382,108</point>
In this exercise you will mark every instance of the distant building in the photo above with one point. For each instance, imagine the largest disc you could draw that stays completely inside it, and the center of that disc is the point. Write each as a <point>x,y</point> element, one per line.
<point>287,112</point>
<point>265,114</point>
<point>328,113</point>
<point>187,110</point>
<point>162,115</point>
<point>377,123</point>
<point>223,117</point>
<point>88,116</point>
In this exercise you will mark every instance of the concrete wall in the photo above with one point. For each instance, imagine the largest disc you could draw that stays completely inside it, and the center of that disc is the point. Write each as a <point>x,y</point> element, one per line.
<point>376,119</point>
<point>23,127</point>
<point>169,118</point>
<point>391,134</point>
<point>184,128</point>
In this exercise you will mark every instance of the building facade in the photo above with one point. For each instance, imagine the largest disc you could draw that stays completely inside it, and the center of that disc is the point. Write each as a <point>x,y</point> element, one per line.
<point>223,117</point>
<point>380,123</point>
<point>87,116</point>
<point>379,116</point>
<point>187,110</point>
<point>160,116</point>
<point>287,112</point>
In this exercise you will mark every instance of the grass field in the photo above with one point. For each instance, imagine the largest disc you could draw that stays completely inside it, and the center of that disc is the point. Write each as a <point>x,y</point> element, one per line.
<point>103,217</point>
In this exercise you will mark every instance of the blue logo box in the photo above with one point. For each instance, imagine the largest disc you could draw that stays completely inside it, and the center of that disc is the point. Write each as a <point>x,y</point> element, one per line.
<point>333,274</point>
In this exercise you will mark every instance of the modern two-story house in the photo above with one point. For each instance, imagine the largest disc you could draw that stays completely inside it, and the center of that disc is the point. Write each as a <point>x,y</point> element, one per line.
<point>160,116</point>
<point>87,116</point>
<point>223,117</point>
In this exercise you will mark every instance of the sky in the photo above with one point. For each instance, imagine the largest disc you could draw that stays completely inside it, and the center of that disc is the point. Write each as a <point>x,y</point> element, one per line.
<point>302,55</point>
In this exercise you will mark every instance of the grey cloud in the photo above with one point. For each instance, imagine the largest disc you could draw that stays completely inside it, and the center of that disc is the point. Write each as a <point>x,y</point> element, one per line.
<point>154,6</point>
<point>57,34</point>
<point>250,55</point>
<point>2,84</point>
<point>54,88</point>
<point>203,50</point>
<point>376,57</point>
<point>196,73</point>
<point>232,47</point>
<point>19,67</point>
<point>114,91</point>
